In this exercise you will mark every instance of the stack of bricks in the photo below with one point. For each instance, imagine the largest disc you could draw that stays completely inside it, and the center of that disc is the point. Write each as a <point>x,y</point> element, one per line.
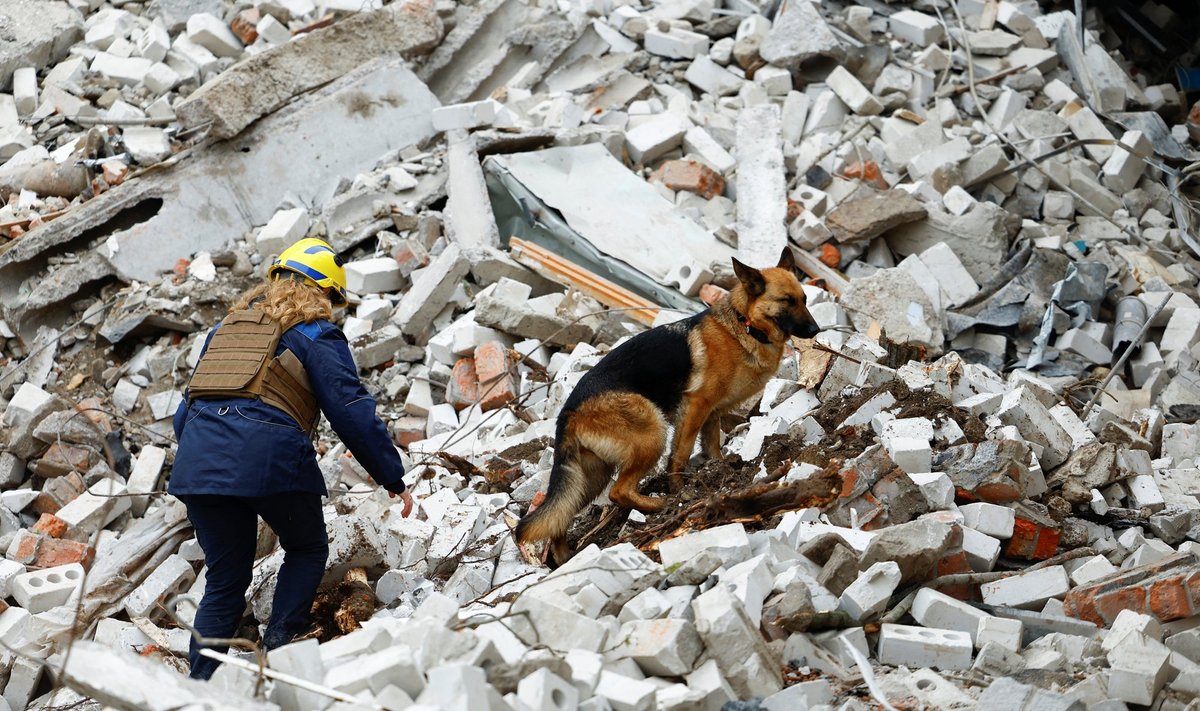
<point>1167,590</point>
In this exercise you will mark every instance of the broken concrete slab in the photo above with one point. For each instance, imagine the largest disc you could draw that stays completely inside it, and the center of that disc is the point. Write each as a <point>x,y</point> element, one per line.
<point>894,299</point>
<point>801,41</point>
<point>266,81</point>
<point>762,203</point>
<point>869,217</point>
<point>218,205</point>
<point>979,237</point>
<point>35,34</point>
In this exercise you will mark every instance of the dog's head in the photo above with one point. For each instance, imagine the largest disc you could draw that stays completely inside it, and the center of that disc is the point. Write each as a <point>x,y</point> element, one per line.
<point>772,301</point>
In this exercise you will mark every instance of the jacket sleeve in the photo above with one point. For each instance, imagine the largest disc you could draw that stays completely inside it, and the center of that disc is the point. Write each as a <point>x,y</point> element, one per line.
<point>350,409</point>
<point>181,412</point>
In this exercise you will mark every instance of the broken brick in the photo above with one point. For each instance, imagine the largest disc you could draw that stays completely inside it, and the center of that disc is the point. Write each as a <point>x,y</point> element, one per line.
<point>692,176</point>
<point>497,378</point>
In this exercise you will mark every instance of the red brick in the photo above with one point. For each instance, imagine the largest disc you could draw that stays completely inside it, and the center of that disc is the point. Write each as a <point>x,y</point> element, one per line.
<point>711,294</point>
<point>407,430</point>
<point>41,552</point>
<point>692,176</point>
<point>463,390</point>
<point>244,25</point>
<point>1169,598</point>
<point>53,552</point>
<point>50,525</point>
<point>497,377</point>
<point>1032,541</point>
<point>1109,605</point>
<point>24,548</point>
<point>57,493</point>
<point>62,459</point>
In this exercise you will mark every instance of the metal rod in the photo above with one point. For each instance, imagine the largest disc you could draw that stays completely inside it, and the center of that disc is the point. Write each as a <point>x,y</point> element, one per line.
<point>1125,356</point>
<point>288,679</point>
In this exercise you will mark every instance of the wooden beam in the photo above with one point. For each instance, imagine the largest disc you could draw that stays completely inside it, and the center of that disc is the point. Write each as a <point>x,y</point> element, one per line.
<point>568,273</point>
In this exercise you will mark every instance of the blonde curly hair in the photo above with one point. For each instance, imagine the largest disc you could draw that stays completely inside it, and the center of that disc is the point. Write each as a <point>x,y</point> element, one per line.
<point>288,301</point>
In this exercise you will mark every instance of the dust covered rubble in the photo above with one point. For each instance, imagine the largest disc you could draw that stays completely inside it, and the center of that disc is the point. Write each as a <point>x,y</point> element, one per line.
<point>994,537</point>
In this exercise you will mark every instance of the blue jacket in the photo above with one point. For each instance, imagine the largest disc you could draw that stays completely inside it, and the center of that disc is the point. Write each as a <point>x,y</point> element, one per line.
<point>243,447</point>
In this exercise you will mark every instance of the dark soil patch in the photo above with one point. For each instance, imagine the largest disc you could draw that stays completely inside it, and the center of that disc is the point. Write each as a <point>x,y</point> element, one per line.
<point>909,403</point>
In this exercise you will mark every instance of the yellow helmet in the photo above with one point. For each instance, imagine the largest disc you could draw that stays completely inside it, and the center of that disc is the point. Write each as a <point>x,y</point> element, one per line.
<point>315,259</point>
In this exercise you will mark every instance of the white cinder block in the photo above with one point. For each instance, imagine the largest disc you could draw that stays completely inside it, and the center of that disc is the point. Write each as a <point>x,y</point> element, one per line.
<point>776,80</point>
<point>914,647</point>
<point>28,402</point>
<point>982,550</point>
<point>1182,331</point>
<point>711,78</point>
<point>272,30</point>
<point>173,576</point>
<point>1144,493</point>
<point>991,519</point>
<point>9,569</point>
<point>469,115</point>
<point>284,228</point>
<point>867,597</point>
<point>916,27</point>
<point>852,92</point>
<point>911,454</point>
<point>626,694</point>
<point>1003,631</point>
<point>668,647</point>
<point>160,78</point>
<point>1020,408</point>
<point>41,590</point>
<point>1124,167</point>
<point>129,71</point>
<point>952,277</point>
<point>697,141</point>
<point>1092,569</point>
<point>545,691</point>
<point>97,507</point>
<point>1138,669</point>
<point>25,90</point>
<point>1083,344</point>
<point>1028,591</point>
<point>374,276</point>
<point>933,609</point>
<point>655,137</point>
<point>210,32</point>
<point>676,44</point>
<point>729,541</point>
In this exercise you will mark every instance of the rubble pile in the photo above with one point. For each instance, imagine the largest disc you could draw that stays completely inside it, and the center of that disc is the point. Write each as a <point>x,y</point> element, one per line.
<point>978,485</point>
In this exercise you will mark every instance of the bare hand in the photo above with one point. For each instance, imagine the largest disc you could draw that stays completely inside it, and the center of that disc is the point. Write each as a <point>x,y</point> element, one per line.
<point>408,503</point>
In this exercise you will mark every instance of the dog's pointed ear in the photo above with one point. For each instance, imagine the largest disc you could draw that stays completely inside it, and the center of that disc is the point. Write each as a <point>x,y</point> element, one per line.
<point>750,277</point>
<point>787,260</point>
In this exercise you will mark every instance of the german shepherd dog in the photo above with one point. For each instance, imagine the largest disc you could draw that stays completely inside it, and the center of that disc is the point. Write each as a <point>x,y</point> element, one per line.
<point>683,375</point>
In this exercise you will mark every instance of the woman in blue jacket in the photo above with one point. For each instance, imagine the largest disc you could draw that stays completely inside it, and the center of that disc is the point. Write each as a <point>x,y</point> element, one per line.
<point>245,442</point>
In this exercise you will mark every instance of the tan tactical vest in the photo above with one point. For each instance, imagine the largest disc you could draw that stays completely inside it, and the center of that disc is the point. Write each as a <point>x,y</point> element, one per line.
<point>240,362</point>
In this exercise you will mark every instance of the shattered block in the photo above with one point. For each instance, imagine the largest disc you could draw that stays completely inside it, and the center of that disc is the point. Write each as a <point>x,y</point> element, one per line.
<point>743,657</point>
<point>868,217</point>
<point>994,471</point>
<point>691,176</point>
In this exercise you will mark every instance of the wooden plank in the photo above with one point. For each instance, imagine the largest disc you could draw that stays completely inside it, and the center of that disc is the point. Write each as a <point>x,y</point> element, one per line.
<point>815,268</point>
<point>568,273</point>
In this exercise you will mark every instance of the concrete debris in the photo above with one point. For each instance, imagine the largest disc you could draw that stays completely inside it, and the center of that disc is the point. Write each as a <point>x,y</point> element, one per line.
<point>977,485</point>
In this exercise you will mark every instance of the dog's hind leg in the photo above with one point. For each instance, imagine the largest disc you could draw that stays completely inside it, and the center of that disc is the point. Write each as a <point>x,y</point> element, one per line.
<point>596,475</point>
<point>629,433</point>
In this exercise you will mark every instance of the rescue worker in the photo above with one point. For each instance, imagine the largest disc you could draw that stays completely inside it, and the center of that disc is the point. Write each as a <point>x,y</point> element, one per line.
<point>245,431</point>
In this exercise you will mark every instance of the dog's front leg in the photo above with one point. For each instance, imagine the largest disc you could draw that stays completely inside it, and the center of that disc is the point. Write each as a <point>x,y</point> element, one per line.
<point>693,419</point>
<point>710,436</point>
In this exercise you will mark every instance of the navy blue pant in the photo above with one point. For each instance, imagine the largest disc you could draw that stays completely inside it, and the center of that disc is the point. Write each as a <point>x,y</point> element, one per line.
<point>227,530</point>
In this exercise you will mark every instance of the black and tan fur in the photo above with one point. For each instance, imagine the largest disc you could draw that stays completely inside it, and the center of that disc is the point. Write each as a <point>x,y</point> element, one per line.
<point>682,375</point>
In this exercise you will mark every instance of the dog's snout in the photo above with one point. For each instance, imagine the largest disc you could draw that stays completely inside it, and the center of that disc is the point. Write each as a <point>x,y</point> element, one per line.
<point>806,328</point>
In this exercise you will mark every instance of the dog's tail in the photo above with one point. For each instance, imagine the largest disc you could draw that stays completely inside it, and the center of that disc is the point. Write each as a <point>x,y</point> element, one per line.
<point>576,477</point>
